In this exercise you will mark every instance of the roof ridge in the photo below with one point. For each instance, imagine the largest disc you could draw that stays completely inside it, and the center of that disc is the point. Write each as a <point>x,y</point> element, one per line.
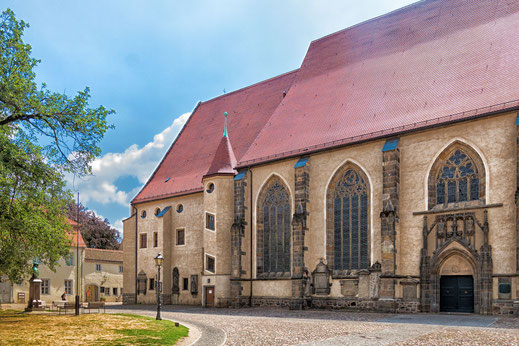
<point>374,19</point>
<point>250,86</point>
<point>93,248</point>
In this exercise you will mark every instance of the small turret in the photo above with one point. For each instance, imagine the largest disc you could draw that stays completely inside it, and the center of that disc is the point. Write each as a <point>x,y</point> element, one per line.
<point>224,160</point>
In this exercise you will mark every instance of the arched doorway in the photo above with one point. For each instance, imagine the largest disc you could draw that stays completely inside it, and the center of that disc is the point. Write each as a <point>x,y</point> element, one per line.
<point>454,280</point>
<point>92,293</point>
<point>456,285</point>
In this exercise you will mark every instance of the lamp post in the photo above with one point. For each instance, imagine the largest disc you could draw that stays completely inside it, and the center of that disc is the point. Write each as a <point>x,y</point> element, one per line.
<point>76,305</point>
<point>158,261</point>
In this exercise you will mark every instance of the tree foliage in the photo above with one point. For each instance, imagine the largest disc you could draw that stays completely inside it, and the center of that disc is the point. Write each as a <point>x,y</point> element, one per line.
<point>73,128</point>
<point>43,134</point>
<point>96,231</point>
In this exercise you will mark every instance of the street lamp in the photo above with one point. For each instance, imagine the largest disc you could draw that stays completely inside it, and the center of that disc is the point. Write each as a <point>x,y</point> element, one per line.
<point>158,261</point>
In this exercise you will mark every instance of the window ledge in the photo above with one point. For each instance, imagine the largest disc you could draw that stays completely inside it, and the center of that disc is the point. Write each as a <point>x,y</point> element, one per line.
<point>457,209</point>
<point>274,276</point>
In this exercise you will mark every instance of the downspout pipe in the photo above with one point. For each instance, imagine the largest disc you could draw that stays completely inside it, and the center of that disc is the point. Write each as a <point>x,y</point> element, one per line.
<point>250,223</point>
<point>136,247</point>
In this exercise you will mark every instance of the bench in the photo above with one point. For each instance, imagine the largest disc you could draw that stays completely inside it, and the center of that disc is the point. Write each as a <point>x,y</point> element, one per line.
<point>65,306</point>
<point>96,305</point>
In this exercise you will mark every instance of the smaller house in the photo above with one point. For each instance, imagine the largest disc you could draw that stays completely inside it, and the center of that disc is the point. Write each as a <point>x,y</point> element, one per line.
<point>103,275</point>
<point>100,276</point>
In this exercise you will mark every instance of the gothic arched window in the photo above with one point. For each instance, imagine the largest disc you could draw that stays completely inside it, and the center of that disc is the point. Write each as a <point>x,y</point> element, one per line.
<point>458,180</point>
<point>457,176</point>
<point>274,230</point>
<point>348,221</point>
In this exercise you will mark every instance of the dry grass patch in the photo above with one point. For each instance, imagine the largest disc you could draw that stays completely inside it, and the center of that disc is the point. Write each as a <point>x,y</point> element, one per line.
<point>19,328</point>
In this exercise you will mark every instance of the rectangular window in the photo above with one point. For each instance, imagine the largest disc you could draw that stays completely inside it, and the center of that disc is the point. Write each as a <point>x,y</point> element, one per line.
<point>98,267</point>
<point>144,241</point>
<point>45,284</point>
<point>68,287</point>
<point>181,234</point>
<point>102,289</point>
<point>107,291</point>
<point>210,263</point>
<point>209,221</point>
<point>115,291</point>
<point>155,239</point>
<point>185,284</point>
<point>152,284</point>
<point>120,269</point>
<point>69,260</point>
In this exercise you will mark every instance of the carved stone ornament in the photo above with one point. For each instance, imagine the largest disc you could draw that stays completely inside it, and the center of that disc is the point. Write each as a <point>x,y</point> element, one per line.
<point>321,278</point>
<point>175,288</point>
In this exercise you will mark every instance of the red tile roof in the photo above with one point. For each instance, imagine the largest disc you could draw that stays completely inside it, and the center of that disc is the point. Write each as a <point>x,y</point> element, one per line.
<point>224,160</point>
<point>430,63</point>
<point>190,156</point>
<point>104,255</point>
<point>72,235</point>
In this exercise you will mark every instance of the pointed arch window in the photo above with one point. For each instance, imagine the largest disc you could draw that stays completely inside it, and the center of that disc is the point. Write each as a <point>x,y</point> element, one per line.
<point>274,226</point>
<point>348,221</point>
<point>350,210</point>
<point>458,176</point>
<point>458,180</point>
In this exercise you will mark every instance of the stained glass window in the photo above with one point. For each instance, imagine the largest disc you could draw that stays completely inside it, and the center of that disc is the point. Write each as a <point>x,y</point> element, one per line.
<point>350,220</point>
<point>457,180</point>
<point>276,237</point>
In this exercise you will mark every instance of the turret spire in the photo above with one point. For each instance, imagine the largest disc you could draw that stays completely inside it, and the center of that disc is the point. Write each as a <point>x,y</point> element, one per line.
<point>225,126</point>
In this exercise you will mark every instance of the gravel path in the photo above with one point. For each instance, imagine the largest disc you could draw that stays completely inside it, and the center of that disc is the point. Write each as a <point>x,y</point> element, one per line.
<point>260,326</point>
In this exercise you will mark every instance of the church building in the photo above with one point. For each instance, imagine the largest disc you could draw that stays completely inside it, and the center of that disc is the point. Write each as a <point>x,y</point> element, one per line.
<point>382,175</point>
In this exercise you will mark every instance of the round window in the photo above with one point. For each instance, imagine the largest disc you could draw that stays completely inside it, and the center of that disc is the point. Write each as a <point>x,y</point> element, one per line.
<point>210,188</point>
<point>180,208</point>
<point>157,211</point>
<point>143,214</point>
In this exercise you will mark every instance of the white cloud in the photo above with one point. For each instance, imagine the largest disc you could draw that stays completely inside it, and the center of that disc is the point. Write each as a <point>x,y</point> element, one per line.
<point>134,161</point>
<point>118,225</point>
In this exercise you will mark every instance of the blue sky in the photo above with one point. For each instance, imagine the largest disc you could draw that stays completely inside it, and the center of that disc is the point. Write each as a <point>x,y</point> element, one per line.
<point>152,61</point>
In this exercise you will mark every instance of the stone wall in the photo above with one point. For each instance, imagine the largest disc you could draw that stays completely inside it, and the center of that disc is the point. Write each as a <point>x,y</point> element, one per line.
<point>399,192</point>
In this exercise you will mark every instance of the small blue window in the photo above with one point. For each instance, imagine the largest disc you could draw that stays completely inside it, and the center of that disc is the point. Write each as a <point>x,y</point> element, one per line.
<point>164,211</point>
<point>390,144</point>
<point>517,119</point>
<point>302,162</point>
<point>167,179</point>
<point>240,175</point>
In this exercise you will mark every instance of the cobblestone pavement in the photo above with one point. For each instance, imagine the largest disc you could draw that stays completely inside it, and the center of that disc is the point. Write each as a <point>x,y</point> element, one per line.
<point>259,326</point>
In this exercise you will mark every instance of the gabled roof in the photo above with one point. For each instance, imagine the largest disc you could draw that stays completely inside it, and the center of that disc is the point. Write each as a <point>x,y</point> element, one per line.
<point>191,155</point>
<point>224,160</point>
<point>426,64</point>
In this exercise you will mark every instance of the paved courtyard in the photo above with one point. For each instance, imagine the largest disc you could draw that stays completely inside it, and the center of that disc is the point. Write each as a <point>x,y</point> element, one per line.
<point>259,326</point>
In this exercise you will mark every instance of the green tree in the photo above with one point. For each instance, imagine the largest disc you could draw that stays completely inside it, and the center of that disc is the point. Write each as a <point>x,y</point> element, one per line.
<point>43,134</point>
